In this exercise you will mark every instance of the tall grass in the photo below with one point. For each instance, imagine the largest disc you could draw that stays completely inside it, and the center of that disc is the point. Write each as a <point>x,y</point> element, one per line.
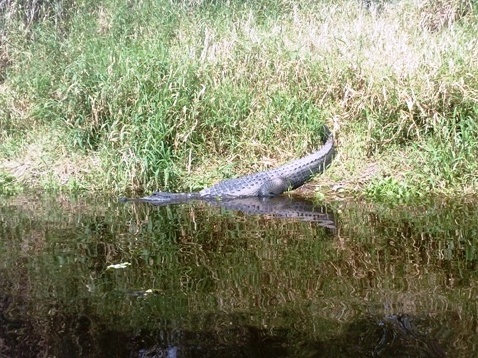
<point>160,95</point>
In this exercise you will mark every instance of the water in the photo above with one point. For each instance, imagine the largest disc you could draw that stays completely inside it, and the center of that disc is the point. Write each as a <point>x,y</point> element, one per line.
<point>93,277</point>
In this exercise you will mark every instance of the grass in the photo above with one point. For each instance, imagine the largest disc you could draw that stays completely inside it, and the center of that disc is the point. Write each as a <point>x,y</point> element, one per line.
<point>129,97</point>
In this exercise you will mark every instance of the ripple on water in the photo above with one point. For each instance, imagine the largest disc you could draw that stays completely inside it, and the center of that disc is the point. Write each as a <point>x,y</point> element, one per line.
<point>92,276</point>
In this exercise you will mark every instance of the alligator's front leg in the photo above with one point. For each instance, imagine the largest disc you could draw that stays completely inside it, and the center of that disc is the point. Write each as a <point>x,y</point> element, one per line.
<point>274,187</point>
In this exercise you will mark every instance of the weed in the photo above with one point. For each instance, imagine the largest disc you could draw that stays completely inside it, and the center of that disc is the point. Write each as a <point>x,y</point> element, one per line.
<point>391,190</point>
<point>178,95</point>
<point>9,185</point>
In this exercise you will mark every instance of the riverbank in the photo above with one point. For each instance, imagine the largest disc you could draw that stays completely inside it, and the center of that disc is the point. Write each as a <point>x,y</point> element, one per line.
<point>126,98</point>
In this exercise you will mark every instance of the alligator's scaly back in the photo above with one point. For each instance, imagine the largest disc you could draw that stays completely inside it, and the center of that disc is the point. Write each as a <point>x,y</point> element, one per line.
<point>263,184</point>
<point>275,181</point>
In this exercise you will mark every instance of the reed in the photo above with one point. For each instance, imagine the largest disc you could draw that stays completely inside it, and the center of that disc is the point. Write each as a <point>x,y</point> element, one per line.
<point>176,96</point>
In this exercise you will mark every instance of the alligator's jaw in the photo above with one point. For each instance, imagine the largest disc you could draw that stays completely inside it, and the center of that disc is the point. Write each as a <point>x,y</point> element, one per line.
<point>160,197</point>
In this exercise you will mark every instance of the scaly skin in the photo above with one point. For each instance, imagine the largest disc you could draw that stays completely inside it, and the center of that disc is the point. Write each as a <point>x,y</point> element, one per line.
<point>268,183</point>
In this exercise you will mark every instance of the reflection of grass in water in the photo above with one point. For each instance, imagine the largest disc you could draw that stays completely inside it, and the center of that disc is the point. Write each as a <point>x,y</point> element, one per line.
<point>206,263</point>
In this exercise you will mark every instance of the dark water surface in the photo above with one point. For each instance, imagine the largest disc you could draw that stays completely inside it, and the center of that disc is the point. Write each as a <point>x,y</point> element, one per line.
<point>201,281</point>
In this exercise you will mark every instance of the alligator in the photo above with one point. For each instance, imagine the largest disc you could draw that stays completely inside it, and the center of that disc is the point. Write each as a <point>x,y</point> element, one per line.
<point>268,183</point>
<point>283,207</point>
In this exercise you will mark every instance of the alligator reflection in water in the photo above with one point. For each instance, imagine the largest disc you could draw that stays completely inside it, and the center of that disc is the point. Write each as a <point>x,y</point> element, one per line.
<point>277,207</point>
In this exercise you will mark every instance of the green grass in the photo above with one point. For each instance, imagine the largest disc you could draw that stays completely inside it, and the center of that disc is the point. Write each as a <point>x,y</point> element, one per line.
<point>155,95</point>
<point>8,185</point>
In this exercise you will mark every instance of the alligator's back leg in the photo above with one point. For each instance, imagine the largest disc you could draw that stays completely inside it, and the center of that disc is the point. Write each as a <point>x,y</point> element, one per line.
<point>274,187</point>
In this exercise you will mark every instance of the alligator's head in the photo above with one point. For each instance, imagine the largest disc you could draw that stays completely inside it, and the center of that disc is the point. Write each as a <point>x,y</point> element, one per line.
<point>160,197</point>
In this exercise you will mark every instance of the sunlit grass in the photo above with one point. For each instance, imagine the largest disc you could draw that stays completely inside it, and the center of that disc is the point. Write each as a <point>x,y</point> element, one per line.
<point>161,96</point>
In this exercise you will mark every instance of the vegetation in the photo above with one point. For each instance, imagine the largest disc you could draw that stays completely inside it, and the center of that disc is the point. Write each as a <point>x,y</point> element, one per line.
<point>131,96</point>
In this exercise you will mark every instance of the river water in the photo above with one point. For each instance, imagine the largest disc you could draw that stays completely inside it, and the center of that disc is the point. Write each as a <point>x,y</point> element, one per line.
<point>94,277</point>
